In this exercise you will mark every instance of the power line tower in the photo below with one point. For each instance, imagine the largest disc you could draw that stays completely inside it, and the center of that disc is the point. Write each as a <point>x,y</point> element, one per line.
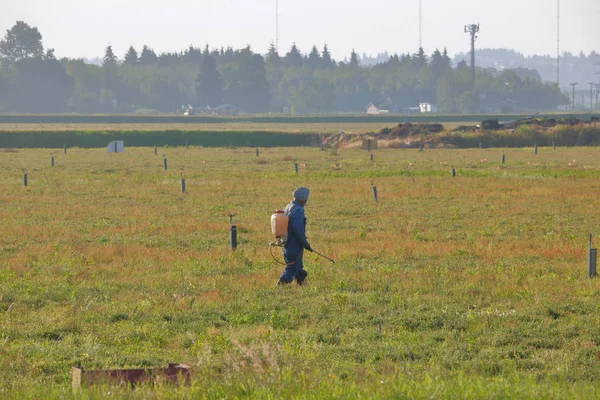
<point>277,25</point>
<point>573,84</point>
<point>592,94</point>
<point>472,30</point>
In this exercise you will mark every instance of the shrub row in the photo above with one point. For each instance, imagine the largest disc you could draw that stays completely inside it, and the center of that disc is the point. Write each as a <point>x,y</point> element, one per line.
<point>523,136</point>
<point>95,139</point>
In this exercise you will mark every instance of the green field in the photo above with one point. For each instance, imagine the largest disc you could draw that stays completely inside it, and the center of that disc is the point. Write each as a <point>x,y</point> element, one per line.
<point>467,287</point>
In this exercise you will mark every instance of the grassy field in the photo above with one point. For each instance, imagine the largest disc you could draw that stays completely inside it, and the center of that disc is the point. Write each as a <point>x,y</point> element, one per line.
<point>466,287</point>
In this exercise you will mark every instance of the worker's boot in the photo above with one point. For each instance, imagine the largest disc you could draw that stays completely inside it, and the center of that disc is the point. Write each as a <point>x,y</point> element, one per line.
<point>281,282</point>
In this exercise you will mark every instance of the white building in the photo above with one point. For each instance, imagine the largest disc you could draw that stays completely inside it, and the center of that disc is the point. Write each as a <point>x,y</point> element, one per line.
<point>428,108</point>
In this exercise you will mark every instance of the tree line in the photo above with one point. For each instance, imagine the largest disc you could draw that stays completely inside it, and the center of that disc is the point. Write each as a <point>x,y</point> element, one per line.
<point>33,80</point>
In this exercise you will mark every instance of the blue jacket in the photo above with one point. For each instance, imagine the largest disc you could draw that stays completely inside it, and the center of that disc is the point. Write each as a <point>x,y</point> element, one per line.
<point>296,240</point>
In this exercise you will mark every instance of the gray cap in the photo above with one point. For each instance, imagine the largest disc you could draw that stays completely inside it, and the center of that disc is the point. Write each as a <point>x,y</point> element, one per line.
<point>301,193</point>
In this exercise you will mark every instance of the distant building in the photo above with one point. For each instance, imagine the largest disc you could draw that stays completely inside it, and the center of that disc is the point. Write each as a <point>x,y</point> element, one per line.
<point>428,108</point>
<point>372,109</point>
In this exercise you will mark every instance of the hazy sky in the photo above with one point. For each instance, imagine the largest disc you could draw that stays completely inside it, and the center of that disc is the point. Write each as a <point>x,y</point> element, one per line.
<point>83,28</point>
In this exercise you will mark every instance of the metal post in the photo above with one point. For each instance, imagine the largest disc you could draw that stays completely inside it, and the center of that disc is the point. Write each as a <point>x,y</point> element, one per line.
<point>165,163</point>
<point>553,145</point>
<point>64,148</point>
<point>295,167</point>
<point>371,156</point>
<point>503,158</point>
<point>182,184</point>
<point>420,146</point>
<point>232,233</point>
<point>24,179</point>
<point>453,172</point>
<point>592,259</point>
<point>116,146</point>
<point>322,146</point>
<point>52,160</point>
<point>155,150</point>
<point>186,142</point>
<point>535,149</point>
<point>257,153</point>
<point>368,144</point>
<point>233,237</point>
<point>374,192</point>
<point>480,145</point>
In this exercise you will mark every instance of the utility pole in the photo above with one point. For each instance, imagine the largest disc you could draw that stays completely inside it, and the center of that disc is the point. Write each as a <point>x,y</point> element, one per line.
<point>573,84</point>
<point>591,95</point>
<point>558,43</point>
<point>472,30</point>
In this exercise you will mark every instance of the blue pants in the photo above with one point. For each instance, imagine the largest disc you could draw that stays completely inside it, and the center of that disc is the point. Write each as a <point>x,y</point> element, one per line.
<point>294,269</point>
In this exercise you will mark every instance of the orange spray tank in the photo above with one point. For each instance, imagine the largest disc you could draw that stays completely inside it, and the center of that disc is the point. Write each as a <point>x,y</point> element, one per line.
<point>279,227</point>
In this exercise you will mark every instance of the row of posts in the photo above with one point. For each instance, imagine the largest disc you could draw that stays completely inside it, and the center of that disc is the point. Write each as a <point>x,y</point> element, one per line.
<point>592,253</point>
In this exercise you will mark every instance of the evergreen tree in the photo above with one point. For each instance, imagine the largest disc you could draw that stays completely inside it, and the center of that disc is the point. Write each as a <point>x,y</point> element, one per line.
<point>446,62</point>
<point>353,59</point>
<point>148,56</point>
<point>246,84</point>
<point>420,59</point>
<point>131,57</point>
<point>436,65</point>
<point>326,57</point>
<point>192,55</point>
<point>109,60</point>
<point>209,86</point>
<point>294,57</point>
<point>314,58</point>
<point>273,58</point>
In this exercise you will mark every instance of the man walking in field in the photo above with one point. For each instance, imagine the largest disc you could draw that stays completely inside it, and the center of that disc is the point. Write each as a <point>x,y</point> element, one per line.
<point>296,240</point>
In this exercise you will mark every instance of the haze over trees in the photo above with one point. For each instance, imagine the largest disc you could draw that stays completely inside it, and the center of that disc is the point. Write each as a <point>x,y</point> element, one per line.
<point>33,80</point>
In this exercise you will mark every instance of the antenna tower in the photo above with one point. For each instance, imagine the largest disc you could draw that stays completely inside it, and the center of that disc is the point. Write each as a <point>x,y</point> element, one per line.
<point>558,43</point>
<point>277,25</point>
<point>472,30</point>
<point>420,26</point>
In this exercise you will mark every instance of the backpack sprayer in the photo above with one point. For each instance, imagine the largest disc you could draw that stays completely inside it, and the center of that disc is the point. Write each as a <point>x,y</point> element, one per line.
<point>279,228</point>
